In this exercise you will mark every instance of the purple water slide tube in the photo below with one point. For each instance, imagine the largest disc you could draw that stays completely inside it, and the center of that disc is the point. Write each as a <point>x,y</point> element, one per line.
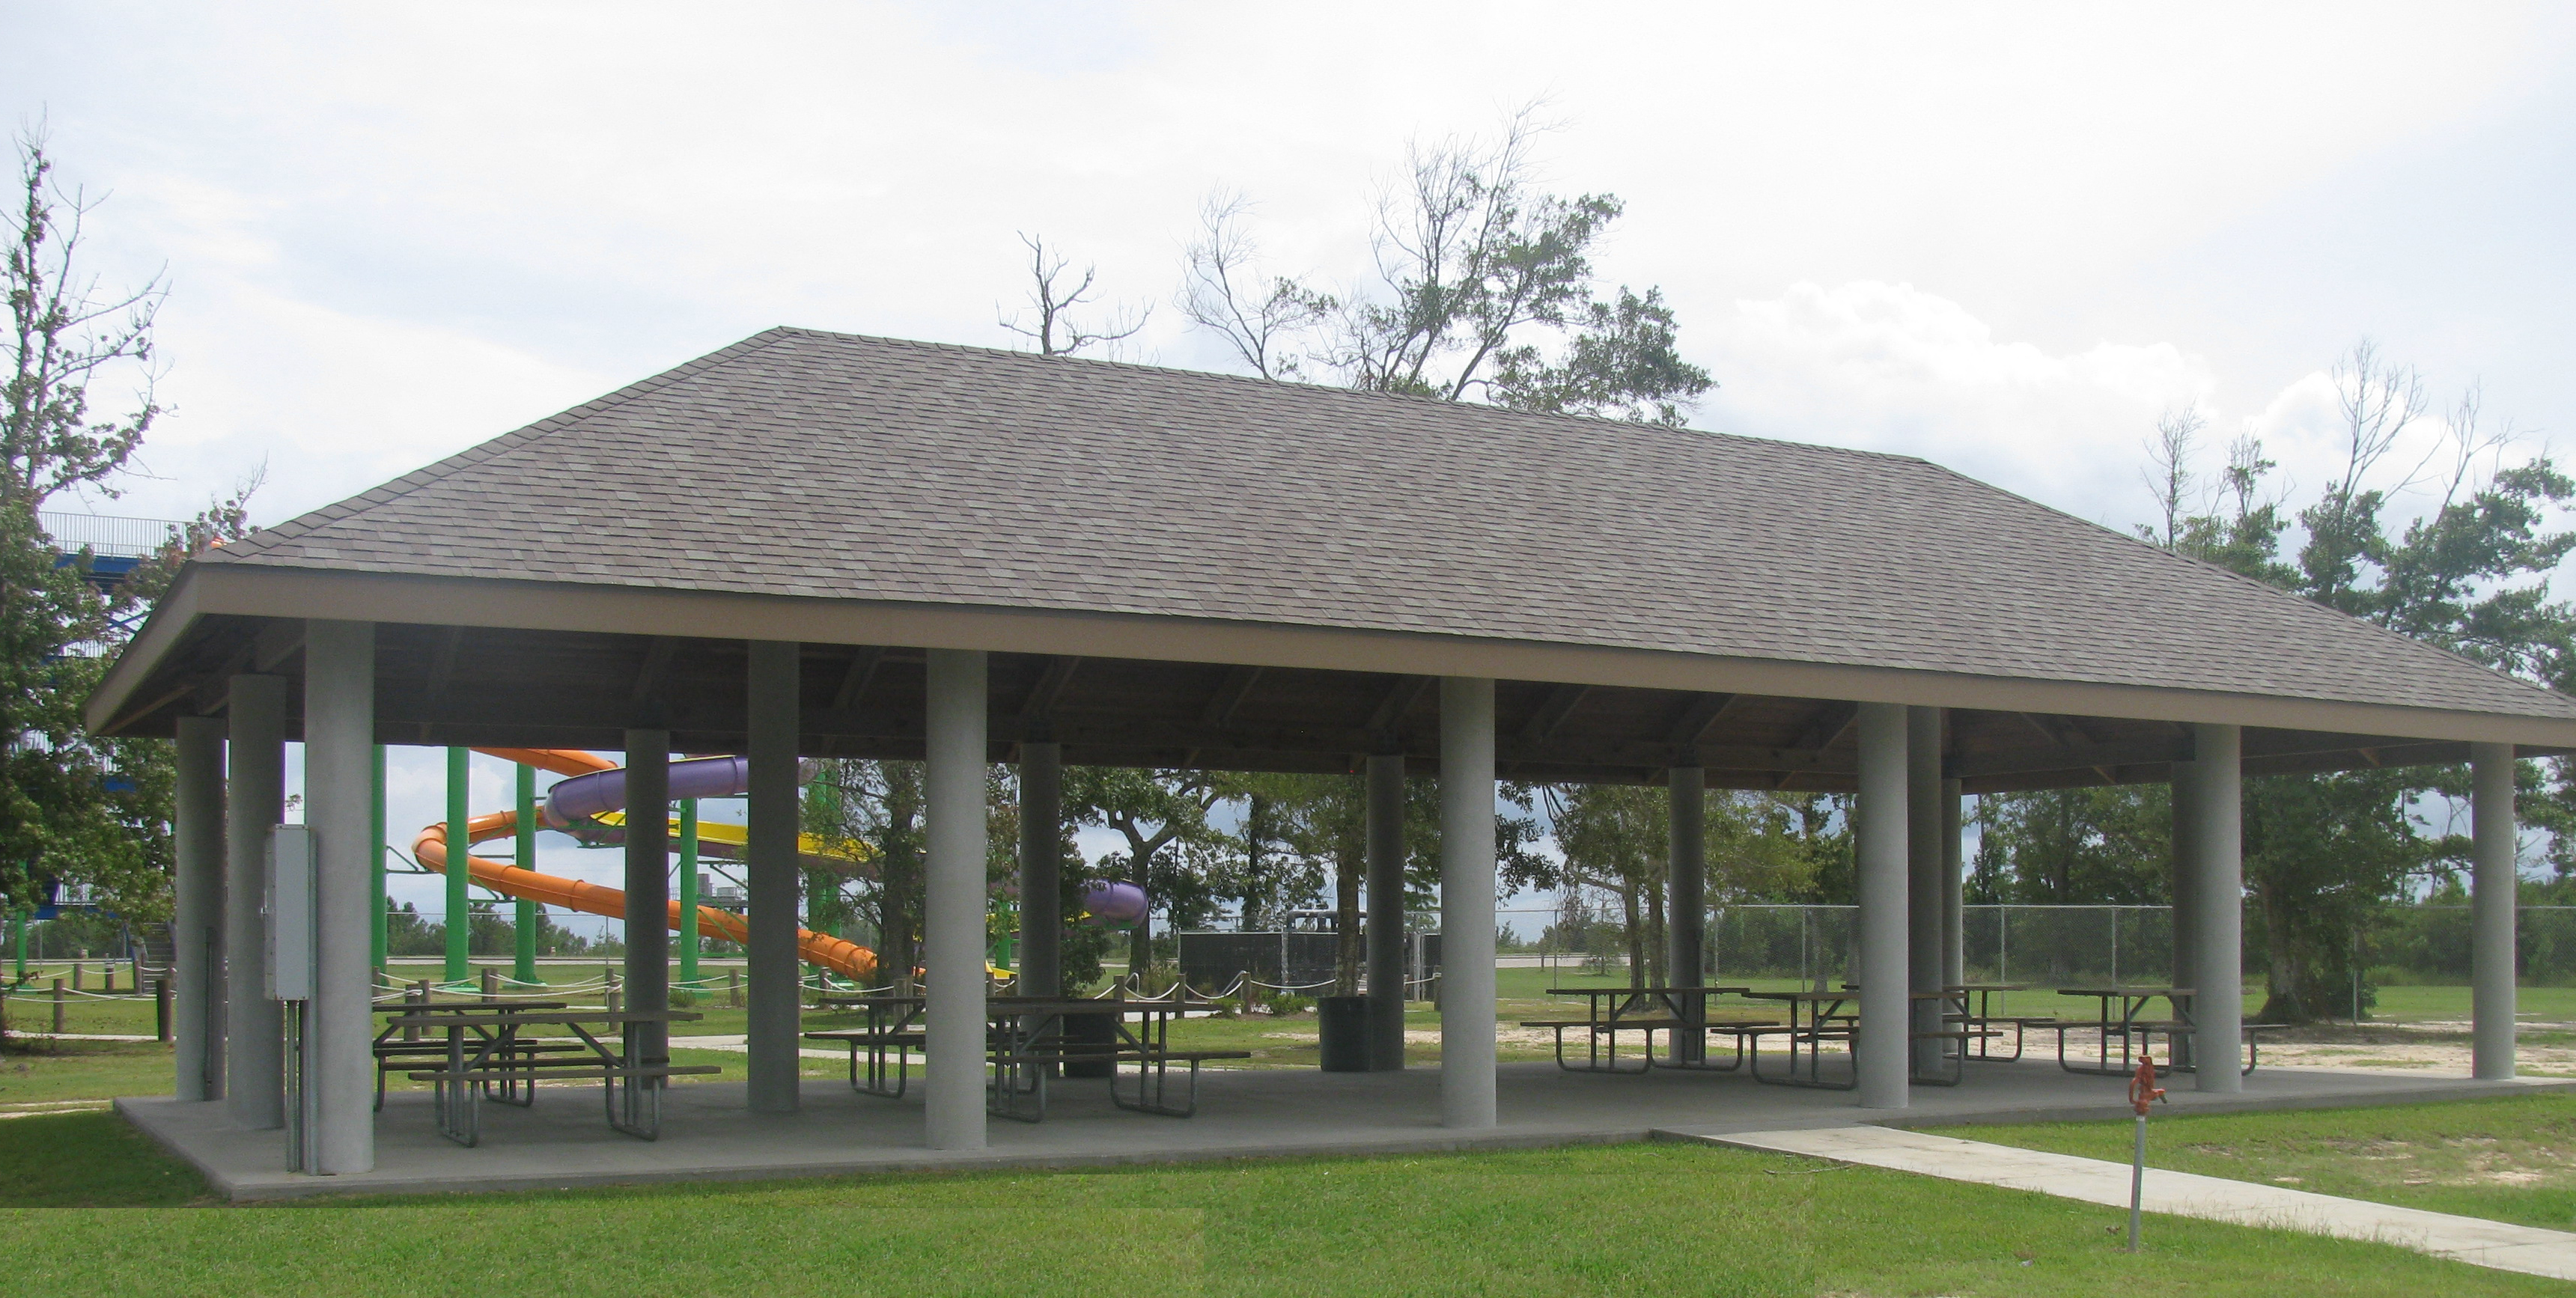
<point>1113,903</point>
<point>580,797</point>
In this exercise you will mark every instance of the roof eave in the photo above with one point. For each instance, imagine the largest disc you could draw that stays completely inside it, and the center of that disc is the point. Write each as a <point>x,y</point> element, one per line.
<point>271,591</point>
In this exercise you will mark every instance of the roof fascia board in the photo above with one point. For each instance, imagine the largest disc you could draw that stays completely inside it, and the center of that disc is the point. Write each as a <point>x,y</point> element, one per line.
<point>264,591</point>
<point>162,632</point>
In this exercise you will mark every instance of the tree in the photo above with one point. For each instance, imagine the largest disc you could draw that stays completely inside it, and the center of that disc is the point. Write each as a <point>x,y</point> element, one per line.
<point>1154,810</point>
<point>1053,299</point>
<point>1484,291</point>
<point>70,807</point>
<point>2058,847</point>
<point>2326,854</point>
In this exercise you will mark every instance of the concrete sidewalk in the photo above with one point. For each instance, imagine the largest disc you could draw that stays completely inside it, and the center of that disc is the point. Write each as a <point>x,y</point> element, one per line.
<point>2474,1240</point>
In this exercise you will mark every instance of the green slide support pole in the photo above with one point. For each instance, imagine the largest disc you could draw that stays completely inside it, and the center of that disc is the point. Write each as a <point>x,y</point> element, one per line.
<point>529,916</point>
<point>376,867</point>
<point>22,943</point>
<point>689,893</point>
<point>460,911</point>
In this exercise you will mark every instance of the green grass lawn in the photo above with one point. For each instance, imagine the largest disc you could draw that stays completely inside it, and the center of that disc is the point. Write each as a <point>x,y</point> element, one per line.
<point>2508,1159</point>
<point>98,1212</point>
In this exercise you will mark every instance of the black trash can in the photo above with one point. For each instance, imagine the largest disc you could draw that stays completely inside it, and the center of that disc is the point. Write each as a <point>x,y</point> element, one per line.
<point>1343,1021</point>
<point>1091,1031</point>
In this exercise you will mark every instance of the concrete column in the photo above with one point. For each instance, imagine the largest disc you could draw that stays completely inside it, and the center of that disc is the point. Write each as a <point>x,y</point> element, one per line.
<point>1879,844</point>
<point>1686,902</point>
<point>1041,869</point>
<point>1924,895</point>
<point>1386,912</point>
<point>769,852</point>
<point>2218,982</point>
<point>1466,902</point>
<point>952,936</point>
<point>1954,890</point>
<point>648,889</point>
<point>339,805</point>
<point>2494,844</point>
<point>255,802</point>
<point>197,911</point>
<point>2185,890</point>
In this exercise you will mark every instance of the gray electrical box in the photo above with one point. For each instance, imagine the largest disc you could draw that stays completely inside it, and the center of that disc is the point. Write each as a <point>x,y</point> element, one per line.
<point>290,913</point>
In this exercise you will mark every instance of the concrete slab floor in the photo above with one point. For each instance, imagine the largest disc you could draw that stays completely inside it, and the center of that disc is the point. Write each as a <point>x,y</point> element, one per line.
<point>708,1134</point>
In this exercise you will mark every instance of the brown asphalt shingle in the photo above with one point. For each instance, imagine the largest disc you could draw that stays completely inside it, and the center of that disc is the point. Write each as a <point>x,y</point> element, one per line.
<point>815,464</point>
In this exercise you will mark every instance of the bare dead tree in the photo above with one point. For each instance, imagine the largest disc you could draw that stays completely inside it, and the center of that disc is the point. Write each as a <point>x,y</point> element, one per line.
<point>1053,298</point>
<point>2168,473</point>
<point>1221,291</point>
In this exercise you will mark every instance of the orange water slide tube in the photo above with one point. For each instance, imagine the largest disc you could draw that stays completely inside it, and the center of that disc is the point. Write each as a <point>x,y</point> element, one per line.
<point>848,959</point>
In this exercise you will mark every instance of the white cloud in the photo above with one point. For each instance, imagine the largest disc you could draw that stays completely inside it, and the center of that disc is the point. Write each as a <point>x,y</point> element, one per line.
<point>1889,367</point>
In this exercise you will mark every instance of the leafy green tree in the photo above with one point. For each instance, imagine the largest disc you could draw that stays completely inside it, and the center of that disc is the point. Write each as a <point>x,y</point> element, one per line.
<point>2077,846</point>
<point>2325,855</point>
<point>72,809</point>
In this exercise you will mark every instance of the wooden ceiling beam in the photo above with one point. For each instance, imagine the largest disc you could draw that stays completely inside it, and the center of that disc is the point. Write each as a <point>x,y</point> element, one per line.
<point>1552,711</point>
<point>1229,696</point>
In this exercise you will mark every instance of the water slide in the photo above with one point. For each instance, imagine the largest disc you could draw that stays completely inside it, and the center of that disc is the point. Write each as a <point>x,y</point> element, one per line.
<point>590,803</point>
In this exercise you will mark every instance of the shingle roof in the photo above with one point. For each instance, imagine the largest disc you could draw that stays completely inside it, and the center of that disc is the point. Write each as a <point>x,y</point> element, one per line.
<point>815,464</point>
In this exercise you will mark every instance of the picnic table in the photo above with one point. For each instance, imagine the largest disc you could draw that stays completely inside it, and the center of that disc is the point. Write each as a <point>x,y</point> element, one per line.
<point>1608,1011</point>
<point>395,1055</point>
<point>1981,1015</point>
<point>892,1033</point>
<point>1826,1020</point>
<point>1819,1009</point>
<point>1029,1039</point>
<point>2126,1025</point>
<point>485,1048</point>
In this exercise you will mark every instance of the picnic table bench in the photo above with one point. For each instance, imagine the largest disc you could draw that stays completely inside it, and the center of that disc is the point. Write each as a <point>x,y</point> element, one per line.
<point>1028,1043</point>
<point>1609,1011</point>
<point>404,1054</point>
<point>497,1055</point>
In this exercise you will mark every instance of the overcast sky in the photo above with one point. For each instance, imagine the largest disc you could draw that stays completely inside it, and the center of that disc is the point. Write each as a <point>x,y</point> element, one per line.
<point>2000,237</point>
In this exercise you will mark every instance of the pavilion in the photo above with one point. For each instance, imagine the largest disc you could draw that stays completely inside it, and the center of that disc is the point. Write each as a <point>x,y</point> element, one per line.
<point>829,545</point>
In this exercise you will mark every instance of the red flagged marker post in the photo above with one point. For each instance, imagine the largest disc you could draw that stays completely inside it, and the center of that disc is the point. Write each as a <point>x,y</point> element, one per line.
<point>2143,1091</point>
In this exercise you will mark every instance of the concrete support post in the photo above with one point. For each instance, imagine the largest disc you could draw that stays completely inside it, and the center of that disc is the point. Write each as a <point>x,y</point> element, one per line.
<point>1954,890</point>
<point>2494,847</point>
<point>2184,888</point>
<point>1466,902</point>
<point>1386,912</point>
<point>952,937</point>
<point>1879,843</point>
<point>1686,911</point>
<point>770,864</point>
<point>255,802</point>
<point>648,890</point>
<point>1924,896</point>
<point>2218,983</point>
<point>197,911</point>
<point>339,806</point>
<point>1041,870</point>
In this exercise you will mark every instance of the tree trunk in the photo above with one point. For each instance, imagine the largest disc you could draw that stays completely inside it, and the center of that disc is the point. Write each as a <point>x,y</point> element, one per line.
<point>2285,987</point>
<point>1346,924</point>
<point>1635,926</point>
<point>1140,943</point>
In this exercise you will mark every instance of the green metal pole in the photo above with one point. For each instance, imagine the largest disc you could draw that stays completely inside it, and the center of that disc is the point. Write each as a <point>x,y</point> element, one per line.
<point>460,918</point>
<point>689,893</point>
<point>530,916</point>
<point>376,867</point>
<point>23,916</point>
